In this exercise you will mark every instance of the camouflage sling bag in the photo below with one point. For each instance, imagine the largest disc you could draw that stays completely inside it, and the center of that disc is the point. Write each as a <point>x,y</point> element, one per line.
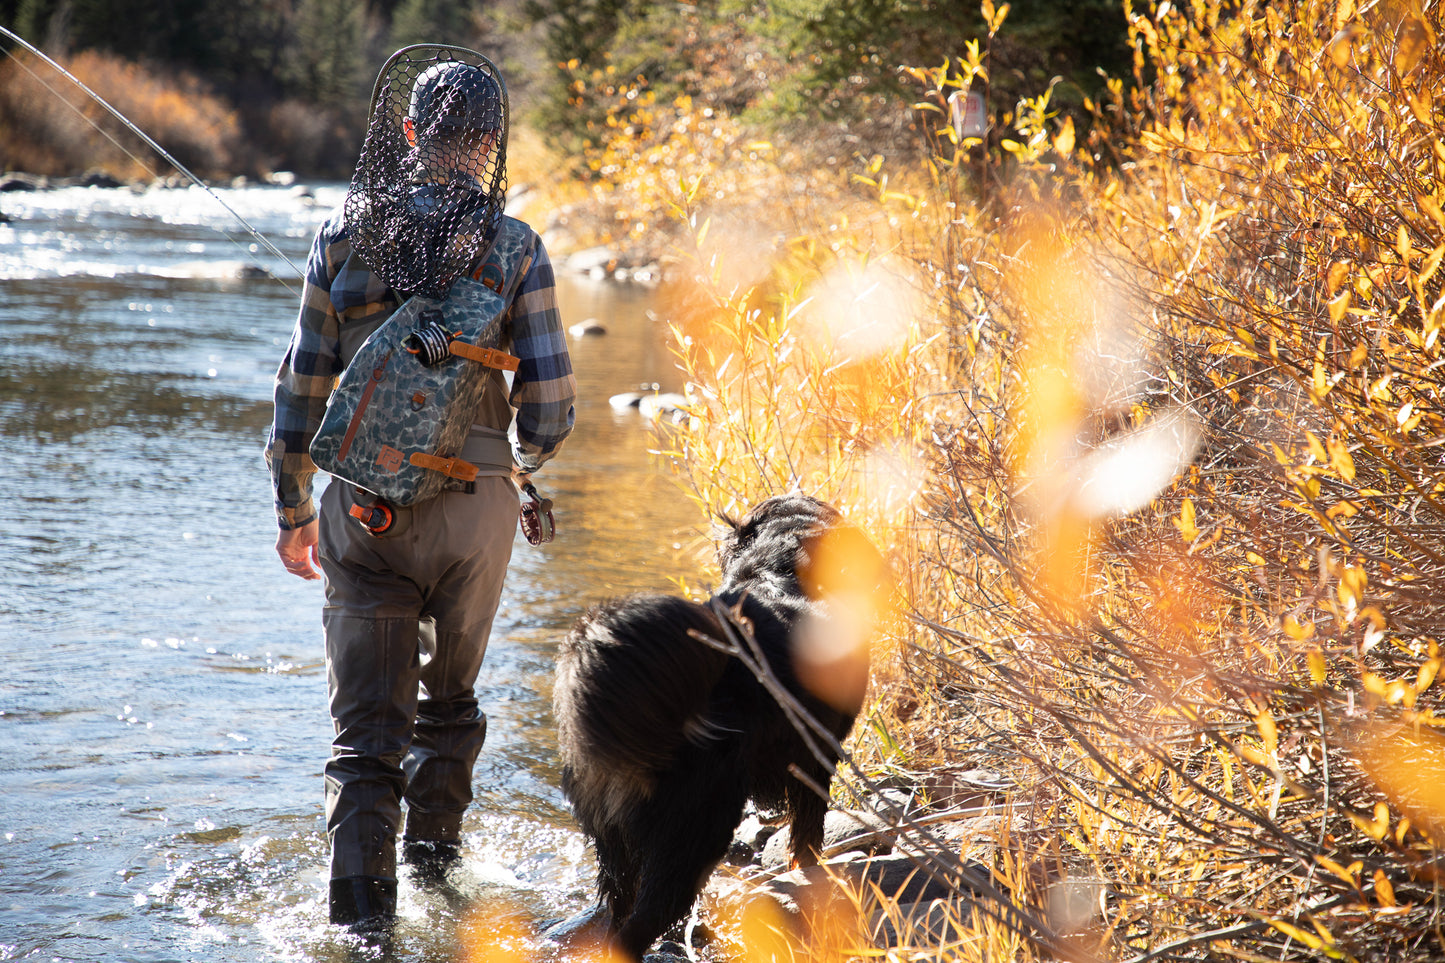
<point>424,206</point>
<point>396,423</point>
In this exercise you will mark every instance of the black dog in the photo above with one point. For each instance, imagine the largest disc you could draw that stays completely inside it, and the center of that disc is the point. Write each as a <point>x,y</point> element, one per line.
<point>664,738</point>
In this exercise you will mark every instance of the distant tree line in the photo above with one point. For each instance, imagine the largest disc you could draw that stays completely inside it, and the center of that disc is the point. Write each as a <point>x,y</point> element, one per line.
<point>299,72</point>
<point>780,63</point>
<point>317,48</point>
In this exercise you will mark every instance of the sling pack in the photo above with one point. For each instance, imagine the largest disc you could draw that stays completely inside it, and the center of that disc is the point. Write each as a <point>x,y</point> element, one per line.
<point>396,423</point>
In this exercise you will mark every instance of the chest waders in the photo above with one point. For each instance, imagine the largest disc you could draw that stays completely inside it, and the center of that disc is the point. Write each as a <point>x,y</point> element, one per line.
<point>400,415</point>
<point>407,619</point>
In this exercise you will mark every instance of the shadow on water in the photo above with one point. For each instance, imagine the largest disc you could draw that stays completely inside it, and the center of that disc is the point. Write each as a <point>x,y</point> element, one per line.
<point>163,702</point>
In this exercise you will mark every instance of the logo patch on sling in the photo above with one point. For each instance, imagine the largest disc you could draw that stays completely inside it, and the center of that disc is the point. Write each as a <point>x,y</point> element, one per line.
<point>389,459</point>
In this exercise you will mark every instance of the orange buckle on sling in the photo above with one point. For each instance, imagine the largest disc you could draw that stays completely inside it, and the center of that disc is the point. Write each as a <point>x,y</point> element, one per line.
<point>451,467</point>
<point>490,357</point>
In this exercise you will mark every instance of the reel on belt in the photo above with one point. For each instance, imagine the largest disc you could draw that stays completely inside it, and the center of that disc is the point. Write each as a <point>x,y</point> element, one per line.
<point>538,525</point>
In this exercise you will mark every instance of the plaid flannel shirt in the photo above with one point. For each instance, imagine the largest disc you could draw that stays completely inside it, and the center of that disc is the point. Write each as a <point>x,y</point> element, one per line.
<point>339,290</point>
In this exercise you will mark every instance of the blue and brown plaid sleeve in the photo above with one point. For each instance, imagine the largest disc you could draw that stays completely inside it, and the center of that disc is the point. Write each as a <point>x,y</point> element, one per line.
<point>544,387</point>
<point>304,381</point>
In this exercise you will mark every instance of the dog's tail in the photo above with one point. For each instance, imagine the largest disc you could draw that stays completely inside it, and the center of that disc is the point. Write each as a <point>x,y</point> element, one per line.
<point>633,685</point>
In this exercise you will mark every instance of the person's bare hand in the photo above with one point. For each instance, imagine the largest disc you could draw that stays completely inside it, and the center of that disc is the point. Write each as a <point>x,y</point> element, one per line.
<point>297,548</point>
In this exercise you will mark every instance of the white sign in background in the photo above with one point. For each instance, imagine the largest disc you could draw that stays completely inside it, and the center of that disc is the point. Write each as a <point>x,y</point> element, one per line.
<point>970,116</point>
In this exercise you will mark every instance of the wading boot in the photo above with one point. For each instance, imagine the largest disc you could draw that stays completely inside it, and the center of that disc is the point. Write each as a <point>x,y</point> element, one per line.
<point>430,859</point>
<point>365,905</point>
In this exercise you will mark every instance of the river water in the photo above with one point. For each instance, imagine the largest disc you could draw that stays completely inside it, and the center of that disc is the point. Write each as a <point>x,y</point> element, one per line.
<point>162,691</point>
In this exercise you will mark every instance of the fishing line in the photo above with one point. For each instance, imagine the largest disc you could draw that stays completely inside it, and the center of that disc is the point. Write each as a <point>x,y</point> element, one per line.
<point>265,241</point>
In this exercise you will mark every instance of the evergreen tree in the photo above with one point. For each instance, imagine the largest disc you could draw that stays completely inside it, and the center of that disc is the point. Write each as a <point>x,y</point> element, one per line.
<point>31,19</point>
<point>857,46</point>
<point>577,36</point>
<point>157,30</point>
<point>241,46</point>
<point>329,50</point>
<point>430,21</point>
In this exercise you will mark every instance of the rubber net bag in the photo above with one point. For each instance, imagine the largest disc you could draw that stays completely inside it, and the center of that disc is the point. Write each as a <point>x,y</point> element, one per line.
<point>430,187</point>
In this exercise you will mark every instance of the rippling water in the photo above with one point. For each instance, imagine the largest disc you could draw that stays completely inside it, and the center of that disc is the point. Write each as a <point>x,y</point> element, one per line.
<point>162,693</point>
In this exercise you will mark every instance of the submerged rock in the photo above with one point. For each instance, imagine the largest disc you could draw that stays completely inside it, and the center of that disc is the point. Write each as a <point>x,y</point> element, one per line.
<point>98,178</point>
<point>586,929</point>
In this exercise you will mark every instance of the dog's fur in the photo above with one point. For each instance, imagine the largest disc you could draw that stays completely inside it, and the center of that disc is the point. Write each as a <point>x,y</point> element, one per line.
<point>664,738</point>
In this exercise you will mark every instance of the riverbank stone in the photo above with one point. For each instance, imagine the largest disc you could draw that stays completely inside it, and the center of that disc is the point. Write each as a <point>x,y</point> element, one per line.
<point>632,399</point>
<point>843,831</point>
<point>838,885</point>
<point>98,178</point>
<point>20,181</point>
<point>926,922</point>
<point>865,869</point>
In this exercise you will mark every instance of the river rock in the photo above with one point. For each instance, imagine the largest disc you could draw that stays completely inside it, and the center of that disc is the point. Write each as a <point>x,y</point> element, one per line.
<point>800,893</point>
<point>589,328</point>
<point>748,840</point>
<point>97,178</point>
<point>586,929</point>
<point>19,181</point>
<point>924,922</point>
<point>756,831</point>
<point>632,399</point>
<point>964,789</point>
<point>667,951</point>
<point>667,405</point>
<point>594,261</point>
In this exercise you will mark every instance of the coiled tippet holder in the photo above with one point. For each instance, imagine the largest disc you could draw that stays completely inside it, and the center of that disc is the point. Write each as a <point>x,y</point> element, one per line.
<point>431,342</point>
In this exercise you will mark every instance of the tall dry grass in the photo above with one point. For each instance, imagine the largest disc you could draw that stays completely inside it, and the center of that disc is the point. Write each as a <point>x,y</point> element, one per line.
<point>1148,417</point>
<point>48,125</point>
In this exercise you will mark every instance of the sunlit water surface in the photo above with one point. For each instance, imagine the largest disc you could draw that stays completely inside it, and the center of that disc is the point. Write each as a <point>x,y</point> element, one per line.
<point>162,693</point>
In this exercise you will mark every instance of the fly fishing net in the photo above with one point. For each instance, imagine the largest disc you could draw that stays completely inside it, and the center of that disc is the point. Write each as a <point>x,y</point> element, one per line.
<point>429,190</point>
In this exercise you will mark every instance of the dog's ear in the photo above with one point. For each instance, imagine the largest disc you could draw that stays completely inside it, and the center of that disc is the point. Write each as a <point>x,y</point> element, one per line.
<point>743,530</point>
<point>725,535</point>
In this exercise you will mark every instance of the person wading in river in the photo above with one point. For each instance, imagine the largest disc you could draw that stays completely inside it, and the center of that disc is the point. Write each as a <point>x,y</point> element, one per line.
<point>407,615</point>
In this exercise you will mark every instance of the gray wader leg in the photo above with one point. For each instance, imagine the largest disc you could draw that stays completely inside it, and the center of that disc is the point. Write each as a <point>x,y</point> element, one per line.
<point>407,622</point>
